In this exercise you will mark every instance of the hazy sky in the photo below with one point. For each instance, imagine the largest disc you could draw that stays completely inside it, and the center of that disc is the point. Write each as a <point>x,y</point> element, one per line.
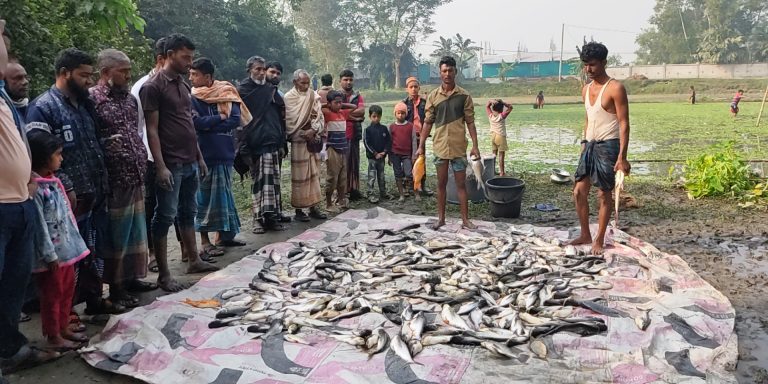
<point>504,23</point>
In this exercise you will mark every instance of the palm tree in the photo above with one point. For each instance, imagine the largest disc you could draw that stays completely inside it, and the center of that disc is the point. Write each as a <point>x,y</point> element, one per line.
<point>465,51</point>
<point>443,47</point>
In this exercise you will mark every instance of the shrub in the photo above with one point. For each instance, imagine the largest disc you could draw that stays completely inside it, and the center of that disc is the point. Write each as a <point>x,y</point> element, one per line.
<point>719,172</point>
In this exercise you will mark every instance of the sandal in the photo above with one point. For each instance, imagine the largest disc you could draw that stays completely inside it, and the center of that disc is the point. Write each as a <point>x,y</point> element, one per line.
<point>140,286</point>
<point>126,300</point>
<point>23,318</point>
<point>75,325</point>
<point>207,258</point>
<point>230,243</point>
<point>153,266</point>
<point>31,359</point>
<point>301,216</point>
<point>212,251</point>
<point>275,226</point>
<point>258,229</point>
<point>105,307</point>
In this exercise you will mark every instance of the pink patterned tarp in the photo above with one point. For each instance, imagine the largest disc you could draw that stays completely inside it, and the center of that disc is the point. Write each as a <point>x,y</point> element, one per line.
<point>691,337</point>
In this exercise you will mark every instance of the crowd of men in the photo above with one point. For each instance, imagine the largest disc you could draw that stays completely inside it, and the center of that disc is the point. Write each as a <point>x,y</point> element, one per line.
<point>138,160</point>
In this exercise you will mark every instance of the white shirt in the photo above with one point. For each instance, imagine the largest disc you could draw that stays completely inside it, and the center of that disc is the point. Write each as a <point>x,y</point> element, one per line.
<point>142,124</point>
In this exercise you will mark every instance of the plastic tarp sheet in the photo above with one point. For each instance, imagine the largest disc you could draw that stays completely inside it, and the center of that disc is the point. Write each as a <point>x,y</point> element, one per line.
<point>691,336</point>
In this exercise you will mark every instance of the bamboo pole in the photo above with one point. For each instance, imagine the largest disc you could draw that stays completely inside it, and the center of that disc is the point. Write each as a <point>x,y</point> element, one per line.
<point>762,106</point>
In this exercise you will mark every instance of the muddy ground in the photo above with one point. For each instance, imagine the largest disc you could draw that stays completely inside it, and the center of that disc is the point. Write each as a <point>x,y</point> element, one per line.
<point>726,245</point>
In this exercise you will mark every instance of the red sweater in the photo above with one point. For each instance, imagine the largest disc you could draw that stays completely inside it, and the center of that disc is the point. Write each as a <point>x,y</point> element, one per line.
<point>403,139</point>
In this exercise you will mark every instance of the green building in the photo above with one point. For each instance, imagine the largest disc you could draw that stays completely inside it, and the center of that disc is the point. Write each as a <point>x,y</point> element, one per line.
<point>527,65</point>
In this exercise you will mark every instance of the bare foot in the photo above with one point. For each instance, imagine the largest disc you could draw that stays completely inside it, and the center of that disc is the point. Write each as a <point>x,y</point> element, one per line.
<point>597,247</point>
<point>60,344</point>
<point>74,336</point>
<point>169,284</point>
<point>581,240</point>
<point>201,266</point>
<point>437,225</point>
<point>468,225</point>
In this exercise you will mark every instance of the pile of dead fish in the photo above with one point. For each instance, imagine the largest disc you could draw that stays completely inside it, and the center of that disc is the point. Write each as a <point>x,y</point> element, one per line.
<point>437,287</point>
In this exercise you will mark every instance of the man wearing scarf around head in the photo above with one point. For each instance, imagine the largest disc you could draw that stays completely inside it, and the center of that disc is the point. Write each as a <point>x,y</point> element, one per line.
<point>304,124</point>
<point>217,112</point>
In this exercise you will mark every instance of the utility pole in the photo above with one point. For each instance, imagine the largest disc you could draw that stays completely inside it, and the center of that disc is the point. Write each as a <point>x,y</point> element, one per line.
<point>560,67</point>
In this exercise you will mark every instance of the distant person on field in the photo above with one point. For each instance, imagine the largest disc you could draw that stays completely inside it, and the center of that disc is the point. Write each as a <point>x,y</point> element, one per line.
<point>403,154</point>
<point>604,148</point>
<point>497,111</point>
<point>378,143</point>
<point>540,100</point>
<point>692,97</point>
<point>735,102</point>
<point>450,110</point>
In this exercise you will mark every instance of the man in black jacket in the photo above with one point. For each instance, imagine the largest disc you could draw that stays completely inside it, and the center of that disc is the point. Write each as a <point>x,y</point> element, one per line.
<point>264,138</point>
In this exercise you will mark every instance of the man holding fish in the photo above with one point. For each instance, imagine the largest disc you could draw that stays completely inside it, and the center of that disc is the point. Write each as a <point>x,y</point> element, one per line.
<point>450,108</point>
<point>603,161</point>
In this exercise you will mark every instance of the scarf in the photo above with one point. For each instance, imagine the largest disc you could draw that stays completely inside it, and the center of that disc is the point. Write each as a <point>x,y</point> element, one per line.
<point>223,94</point>
<point>21,103</point>
<point>302,109</point>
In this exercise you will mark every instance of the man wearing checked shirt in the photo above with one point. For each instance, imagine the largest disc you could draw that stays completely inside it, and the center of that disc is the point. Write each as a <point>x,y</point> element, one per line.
<point>450,108</point>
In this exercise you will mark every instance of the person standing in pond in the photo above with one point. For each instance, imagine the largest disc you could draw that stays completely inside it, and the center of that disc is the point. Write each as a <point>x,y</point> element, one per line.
<point>416,113</point>
<point>179,164</point>
<point>355,118</point>
<point>305,126</point>
<point>450,109</point>
<point>126,159</point>
<point>735,102</point>
<point>217,112</point>
<point>604,147</point>
<point>497,111</point>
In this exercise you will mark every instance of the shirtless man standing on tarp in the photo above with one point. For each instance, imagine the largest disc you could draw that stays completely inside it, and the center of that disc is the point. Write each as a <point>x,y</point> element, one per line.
<point>604,147</point>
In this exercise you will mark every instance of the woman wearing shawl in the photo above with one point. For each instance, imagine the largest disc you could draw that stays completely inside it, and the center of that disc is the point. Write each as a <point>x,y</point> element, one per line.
<point>217,112</point>
<point>304,124</point>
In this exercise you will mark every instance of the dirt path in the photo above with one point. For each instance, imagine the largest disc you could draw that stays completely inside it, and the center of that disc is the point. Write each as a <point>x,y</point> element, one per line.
<point>727,246</point>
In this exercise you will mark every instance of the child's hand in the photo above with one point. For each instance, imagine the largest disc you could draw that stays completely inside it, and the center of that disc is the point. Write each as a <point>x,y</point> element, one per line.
<point>53,266</point>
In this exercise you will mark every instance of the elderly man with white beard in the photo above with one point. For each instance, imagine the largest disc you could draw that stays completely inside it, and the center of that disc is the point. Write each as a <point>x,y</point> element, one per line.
<point>304,125</point>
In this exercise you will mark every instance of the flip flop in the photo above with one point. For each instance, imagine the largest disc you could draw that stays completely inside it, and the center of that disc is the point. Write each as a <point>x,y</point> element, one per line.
<point>230,243</point>
<point>212,251</point>
<point>207,258</point>
<point>23,318</point>
<point>127,301</point>
<point>153,266</point>
<point>140,286</point>
<point>35,357</point>
<point>258,229</point>
<point>105,307</point>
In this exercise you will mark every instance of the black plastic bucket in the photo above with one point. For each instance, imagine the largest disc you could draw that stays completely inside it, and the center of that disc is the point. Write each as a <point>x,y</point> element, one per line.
<point>505,195</point>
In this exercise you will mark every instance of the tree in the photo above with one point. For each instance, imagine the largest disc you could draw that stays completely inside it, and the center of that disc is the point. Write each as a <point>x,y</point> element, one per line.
<point>393,24</point>
<point>461,49</point>
<point>328,45</point>
<point>42,28</point>
<point>465,52</point>
<point>443,47</point>
<point>504,68</point>
<point>710,31</point>
<point>227,31</point>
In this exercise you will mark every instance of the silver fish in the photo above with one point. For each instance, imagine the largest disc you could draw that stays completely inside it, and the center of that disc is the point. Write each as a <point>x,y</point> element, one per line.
<point>401,349</point>
<point>451,318</point>
<point>382,341</point>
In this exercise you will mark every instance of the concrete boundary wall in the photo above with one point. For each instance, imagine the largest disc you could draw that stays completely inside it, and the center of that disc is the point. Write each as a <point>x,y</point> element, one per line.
<point>691,71</point>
